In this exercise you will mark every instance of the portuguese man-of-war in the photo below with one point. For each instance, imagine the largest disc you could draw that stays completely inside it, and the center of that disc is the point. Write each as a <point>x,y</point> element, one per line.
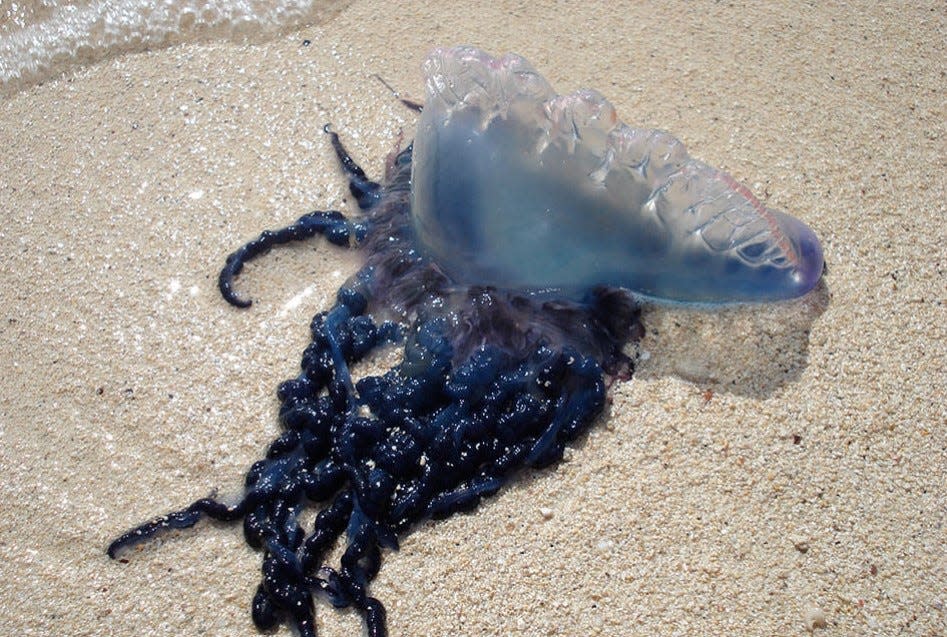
<point>504,252</point>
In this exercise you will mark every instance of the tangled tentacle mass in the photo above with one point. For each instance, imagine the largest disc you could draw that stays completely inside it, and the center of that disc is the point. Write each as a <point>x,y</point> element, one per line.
<point>489,382</point>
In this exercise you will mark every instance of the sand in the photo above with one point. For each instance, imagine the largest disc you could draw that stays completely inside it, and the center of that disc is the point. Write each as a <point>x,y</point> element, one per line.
<point>769,471</point>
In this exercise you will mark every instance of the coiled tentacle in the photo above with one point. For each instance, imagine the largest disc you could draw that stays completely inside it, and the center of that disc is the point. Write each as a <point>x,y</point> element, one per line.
<point>333,224</point>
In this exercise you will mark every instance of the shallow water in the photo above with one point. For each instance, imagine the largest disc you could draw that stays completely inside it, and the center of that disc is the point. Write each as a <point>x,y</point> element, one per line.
<point>39,39</point>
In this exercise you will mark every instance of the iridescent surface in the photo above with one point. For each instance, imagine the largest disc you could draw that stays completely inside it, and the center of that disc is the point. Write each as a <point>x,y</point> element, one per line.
<point>520,188</point>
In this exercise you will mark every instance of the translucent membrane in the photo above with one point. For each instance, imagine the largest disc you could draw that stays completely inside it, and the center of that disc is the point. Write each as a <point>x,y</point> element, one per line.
<point>520,188</point>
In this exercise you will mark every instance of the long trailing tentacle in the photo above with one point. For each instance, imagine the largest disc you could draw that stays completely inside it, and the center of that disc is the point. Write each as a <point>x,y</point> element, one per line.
<point>183,519</point>
<point>332,224</point>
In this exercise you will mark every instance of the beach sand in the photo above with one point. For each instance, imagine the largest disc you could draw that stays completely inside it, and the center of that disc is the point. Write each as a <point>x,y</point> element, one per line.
<point>768,471</point>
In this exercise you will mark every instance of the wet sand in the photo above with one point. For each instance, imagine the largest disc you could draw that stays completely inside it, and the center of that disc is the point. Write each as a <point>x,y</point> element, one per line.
<point>768,470</point>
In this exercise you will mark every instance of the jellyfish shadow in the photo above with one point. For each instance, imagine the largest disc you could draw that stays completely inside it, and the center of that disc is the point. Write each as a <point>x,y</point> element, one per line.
<point>746,350</point>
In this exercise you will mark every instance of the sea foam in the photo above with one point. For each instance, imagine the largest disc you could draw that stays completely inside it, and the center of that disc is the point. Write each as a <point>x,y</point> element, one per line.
<point>40,39</point>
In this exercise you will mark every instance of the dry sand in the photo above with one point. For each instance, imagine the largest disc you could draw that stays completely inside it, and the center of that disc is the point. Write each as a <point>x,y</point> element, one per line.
<point>766,468</point>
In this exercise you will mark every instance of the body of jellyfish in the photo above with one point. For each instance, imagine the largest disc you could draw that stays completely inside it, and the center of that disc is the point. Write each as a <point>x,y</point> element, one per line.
<point>506,345</point>
<point>489,382</point>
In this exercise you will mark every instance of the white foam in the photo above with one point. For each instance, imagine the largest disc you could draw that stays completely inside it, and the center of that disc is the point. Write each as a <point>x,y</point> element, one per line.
<point>41,38</point>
